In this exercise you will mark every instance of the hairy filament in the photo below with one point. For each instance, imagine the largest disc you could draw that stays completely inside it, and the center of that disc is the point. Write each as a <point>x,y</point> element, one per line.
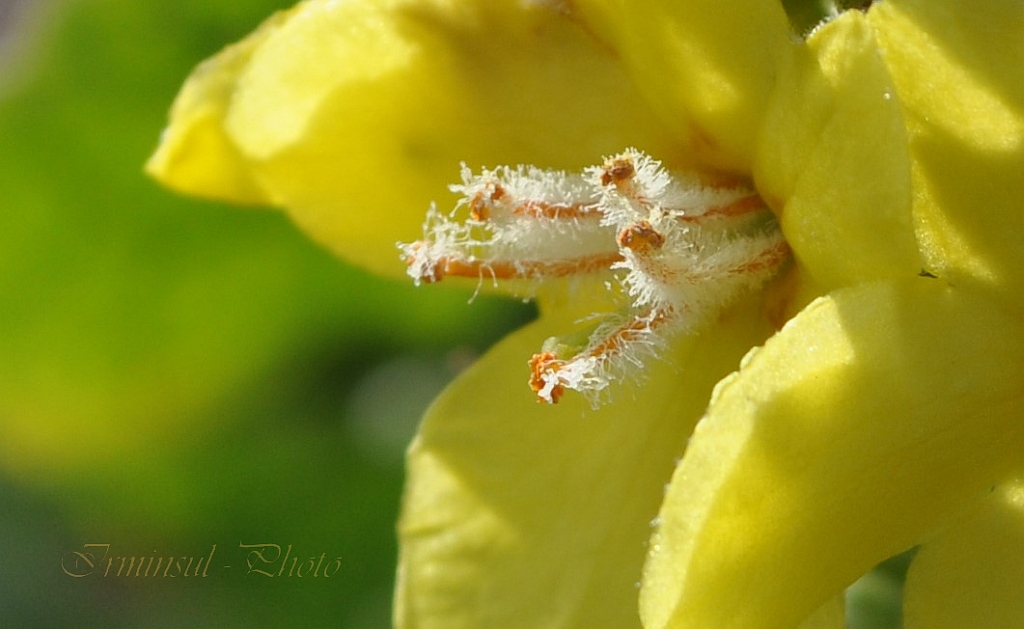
<point>609,351</point>
<point>435,269</point>
<point>740,207</point>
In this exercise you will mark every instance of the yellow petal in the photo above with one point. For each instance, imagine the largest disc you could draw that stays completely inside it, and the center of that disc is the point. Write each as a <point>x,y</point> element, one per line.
<point>833,160</point>
<point>957,68</point>
<point>706,66</point>
<point>831,615</point>
<point>195,154</point>
<point>874,414</point>
<point>356,115</point>
<point>972,574</point>
<point>519,514</point>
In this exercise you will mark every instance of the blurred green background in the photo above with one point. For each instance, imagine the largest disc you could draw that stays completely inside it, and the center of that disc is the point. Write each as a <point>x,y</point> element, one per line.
<point>176,374</point>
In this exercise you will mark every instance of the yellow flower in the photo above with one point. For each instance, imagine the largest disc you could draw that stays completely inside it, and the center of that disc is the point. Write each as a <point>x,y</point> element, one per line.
<point>890,146</point>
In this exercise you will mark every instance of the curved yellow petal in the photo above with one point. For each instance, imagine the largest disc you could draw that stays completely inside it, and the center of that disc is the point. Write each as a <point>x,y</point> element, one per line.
<point>195,154</point>
<point>706,66</point>
<point>519,514</point>
<point>833,159</point>
<point>972,573</point>
<point>956,67</point>
<point>875,413</point>
<point>356,115</point>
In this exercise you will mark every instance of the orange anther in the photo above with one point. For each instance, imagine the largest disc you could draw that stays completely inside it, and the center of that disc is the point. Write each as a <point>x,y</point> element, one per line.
<point>481,203</point>
<point>617,171</point>
<point>540,363</point>
<point>641,237</point>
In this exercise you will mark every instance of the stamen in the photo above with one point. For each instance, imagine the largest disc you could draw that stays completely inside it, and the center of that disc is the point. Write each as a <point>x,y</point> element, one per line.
<point>523,224</point>
<point>741,207</point>
<point>635,187</point>
<point>591,370</point>
<point>766,260</point>
<point>483,203</point>
<point>507,194</point>
<point>451,266</point>
<point>537,209</point>
<point>481,206</point>
<point>700,273</point>
<point>681,249</point>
